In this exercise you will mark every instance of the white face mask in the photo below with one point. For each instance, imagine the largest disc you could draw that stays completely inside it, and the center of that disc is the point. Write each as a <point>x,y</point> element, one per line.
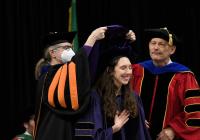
<point>67,55</point>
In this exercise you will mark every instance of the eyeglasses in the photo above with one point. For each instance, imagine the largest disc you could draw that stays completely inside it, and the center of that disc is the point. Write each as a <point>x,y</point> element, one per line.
<point>63,47</point>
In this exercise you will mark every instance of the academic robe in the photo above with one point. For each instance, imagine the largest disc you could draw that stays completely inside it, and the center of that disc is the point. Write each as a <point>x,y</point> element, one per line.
<point>170,96</point>
<point>93,125</point>
<point>55,122</point>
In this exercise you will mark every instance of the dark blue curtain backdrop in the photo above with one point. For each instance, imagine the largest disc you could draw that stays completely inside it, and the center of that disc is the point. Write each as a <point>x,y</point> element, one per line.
<point>23,22</point>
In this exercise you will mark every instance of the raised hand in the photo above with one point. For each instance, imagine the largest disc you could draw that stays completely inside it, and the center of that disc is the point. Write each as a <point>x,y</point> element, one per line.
<point>97,34</point>
<point>131,36</point>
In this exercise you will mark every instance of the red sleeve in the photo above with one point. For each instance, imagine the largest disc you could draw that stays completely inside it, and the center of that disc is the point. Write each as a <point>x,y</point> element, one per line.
<point>136,81</point>
<point>187,123</point>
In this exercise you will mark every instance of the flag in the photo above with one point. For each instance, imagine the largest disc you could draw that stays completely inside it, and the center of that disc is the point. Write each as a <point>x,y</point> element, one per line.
<point>72,25</point>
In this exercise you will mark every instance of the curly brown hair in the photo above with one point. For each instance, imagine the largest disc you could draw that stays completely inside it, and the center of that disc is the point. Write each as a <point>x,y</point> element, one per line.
<point>107,89</point>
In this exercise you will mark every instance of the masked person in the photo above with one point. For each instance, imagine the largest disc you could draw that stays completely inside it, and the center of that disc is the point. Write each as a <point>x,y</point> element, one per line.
<point>63,85</point>
<point>169,90</point>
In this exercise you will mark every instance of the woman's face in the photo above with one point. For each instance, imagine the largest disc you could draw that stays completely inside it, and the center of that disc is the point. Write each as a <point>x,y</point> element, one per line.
<point>56,51</point>
<point>122,72</point>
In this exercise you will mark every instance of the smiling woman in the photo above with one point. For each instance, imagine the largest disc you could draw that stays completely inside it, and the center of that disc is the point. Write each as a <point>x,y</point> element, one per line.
<point>122,72</point>
<point>115,111</point>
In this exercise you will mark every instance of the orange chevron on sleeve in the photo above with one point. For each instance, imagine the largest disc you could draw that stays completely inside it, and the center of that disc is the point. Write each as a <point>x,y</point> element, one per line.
<point>61,87</point>
<point>73,86</point>
<point>52,87</point>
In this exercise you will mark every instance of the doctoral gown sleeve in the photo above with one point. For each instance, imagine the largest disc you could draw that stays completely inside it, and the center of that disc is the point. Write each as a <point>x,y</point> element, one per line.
<point>96,128</point>
<point>186,123</point>
<point>142,133</point>
<point>82,81</point>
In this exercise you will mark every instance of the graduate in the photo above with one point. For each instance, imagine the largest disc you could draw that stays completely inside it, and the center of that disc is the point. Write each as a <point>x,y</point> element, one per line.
<point>169,90</point>
<point>115,112</point>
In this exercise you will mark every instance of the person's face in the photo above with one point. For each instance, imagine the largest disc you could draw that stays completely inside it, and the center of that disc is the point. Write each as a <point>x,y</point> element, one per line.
<point>57,50</point>
<point>160,50</point>
<point>122,72</point>
<point>30,125</point>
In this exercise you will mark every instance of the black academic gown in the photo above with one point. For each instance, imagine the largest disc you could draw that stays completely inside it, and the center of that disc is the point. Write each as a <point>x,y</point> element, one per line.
<point>57,123</point>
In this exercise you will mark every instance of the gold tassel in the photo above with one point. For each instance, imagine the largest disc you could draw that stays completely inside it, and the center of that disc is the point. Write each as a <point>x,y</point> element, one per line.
<point>170,36</point>
<point>170,40</point>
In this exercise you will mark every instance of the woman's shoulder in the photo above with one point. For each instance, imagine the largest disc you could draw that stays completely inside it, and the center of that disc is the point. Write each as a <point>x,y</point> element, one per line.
<point>137,98</point>
<point>94,93</point>
<point>135,94</point>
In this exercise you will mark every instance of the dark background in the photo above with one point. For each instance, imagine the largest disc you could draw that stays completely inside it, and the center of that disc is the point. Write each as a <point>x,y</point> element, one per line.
<point>23,22</point>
